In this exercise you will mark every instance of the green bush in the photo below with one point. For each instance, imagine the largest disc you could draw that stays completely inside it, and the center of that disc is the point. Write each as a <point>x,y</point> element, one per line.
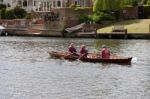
<point>19,12</point>
<point>116,14</point>
<point>29,16</point>
<point>146,11</point>
<point>3,13</point>
<point>107,17</point>
<point>10,14</point>
<point>84,18</point>
<point>148,2</point>
<point>16,13</point>
<point>96,18</point>
<point>2,6</point>
<point>134,3</point>
<point>101,16</point>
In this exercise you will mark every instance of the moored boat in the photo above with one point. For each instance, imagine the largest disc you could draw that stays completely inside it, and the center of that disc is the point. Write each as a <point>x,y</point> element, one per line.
<point>2,30</point>
<point>92,58</point>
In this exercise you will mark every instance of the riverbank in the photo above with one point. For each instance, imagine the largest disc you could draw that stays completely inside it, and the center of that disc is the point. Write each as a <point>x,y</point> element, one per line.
<point>52,33</point>
<point>136,29</point>
<point>117,35</point>
<point>33,32</point>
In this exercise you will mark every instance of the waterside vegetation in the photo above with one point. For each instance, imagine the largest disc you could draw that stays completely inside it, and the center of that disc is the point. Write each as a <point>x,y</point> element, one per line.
<point>15,13</point>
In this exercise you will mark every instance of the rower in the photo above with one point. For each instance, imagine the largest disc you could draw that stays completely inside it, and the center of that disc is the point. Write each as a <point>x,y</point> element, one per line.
<point>83,51</point>
<point>72,50</point>
<point>105,53</point>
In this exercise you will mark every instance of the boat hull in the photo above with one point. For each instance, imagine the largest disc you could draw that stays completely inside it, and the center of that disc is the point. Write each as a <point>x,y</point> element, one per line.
<point>112,59</point>
<point>108,60</point>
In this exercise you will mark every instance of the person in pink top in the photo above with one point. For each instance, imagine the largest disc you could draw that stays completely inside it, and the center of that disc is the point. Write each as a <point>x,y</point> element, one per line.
<point>72,50</point>
<point>83,51</point>
<point>105,53</point>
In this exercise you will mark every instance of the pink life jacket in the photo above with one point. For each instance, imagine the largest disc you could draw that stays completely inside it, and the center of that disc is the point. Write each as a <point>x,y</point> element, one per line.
<point>105,53</point>
<point>83,51</point>
<point>72,50</point>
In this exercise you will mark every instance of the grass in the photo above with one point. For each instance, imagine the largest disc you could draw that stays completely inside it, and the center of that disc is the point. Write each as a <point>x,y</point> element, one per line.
<point>133,26</point>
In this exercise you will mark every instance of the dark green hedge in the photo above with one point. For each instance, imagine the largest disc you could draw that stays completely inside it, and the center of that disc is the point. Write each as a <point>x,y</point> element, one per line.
<point>146,9</point>
<point>16,13</point>
<point>96,17</point>
<point>2,6</point>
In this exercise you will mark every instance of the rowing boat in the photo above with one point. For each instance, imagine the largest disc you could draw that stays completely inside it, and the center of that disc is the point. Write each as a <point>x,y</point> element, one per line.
<point>91,58</point>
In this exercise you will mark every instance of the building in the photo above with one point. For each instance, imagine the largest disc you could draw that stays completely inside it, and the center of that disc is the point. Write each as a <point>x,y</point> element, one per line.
<point>6,2</point>
<point>45,5</point>
<point>51,15</point>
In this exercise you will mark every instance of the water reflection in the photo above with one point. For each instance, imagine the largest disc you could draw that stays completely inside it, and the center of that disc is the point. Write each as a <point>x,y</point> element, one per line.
<point>27,71</point>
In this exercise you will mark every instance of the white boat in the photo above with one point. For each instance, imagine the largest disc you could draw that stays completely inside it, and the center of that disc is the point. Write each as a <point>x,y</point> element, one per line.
<point>2,30</point>
<point>75,28</point>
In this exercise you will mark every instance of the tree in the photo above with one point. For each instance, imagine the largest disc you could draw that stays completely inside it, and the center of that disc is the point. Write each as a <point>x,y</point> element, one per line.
<point>19,12</point>
<point>131,2</point>
<point>97,5</point>
<point>106,5</point>
<point>148,2</point>
<point>2,13</point>
<point>2,6</point>
<point>144,1</point>
<point>10,14</point>
<point>16,13</point>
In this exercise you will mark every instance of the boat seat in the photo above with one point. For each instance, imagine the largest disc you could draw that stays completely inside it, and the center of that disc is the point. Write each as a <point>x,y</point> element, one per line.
<point>119,29</point>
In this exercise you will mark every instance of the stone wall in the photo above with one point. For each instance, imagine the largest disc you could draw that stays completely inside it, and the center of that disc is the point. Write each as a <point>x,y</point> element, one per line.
<point>130,13</point>
<point>72,16</point>
<point>60,18</point>
<point>15,23</point>
<point>68,17</point>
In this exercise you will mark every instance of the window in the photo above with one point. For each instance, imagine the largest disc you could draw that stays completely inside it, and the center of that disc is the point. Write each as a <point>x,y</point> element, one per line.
<point>53,4</point>
<point>76,3</point>
<point>34,3</point>
<point>25,3</point>
<point>58,3</point>
<point>19,2</point>
<point>8,5</point>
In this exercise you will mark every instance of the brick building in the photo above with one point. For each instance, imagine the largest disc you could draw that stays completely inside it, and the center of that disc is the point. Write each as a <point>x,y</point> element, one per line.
<point>63,16</point>
<point>45,5</point>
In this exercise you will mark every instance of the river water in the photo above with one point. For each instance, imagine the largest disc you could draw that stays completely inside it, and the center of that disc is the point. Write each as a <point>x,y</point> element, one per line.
<point>27,71</point>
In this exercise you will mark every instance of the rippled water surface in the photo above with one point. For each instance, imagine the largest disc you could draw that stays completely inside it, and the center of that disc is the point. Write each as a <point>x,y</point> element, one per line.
<point>27,71</point>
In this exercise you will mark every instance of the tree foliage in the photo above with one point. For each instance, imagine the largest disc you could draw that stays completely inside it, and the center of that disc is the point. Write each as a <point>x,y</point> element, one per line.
<point>10,14</point>
<point>148,2</point>
<point>101,16</point>
<point>19,12</point>
<point>2,13</point>
<point>131,2</point>
<point>2,6</point>
<point>109,5</point>
<point>106,5</point>
<point>16,13</point>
